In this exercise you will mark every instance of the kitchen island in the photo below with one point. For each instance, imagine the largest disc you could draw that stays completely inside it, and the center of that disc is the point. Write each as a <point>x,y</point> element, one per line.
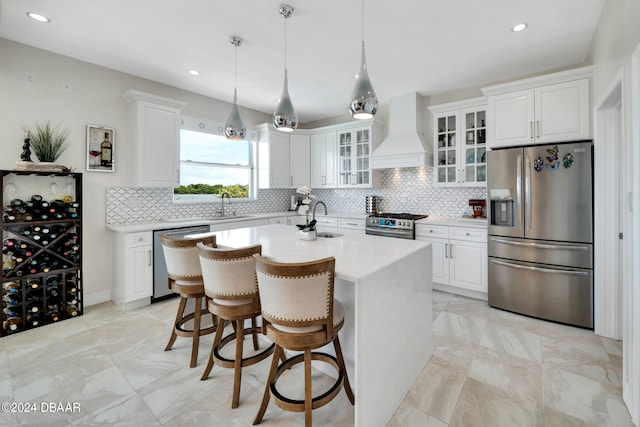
<point>385,286</point>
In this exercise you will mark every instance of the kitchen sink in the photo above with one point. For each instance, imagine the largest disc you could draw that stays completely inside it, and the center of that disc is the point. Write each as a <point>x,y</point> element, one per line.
<point>328,235</point>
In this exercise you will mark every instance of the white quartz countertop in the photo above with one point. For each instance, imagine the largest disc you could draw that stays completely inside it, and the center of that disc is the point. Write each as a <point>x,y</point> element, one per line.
<point>186,222</point>
<point>357,255</point>
<point>164,224</point>
<point>460,222</point>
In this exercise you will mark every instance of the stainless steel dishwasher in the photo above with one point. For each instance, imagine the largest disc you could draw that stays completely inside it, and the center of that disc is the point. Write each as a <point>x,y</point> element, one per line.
<point>161,289</point>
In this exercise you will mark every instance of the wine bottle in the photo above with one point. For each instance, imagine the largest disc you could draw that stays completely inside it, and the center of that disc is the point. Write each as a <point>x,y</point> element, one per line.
<point>72,310</point>
<point>12,311</point>
<point>72,298</point>
<point>11,287</point>
<point>105,151</point>
<point>36,198</point>
<point>53,287</point>
<point>17,202</point>
<point>33,284</point>
<point>7,263</point>
<point>34,319</point>
<point>12,324</point>
<point>18,256</point>
<point>53,314</point>
<point>11,299</point>
<point>8,245</point>
<point>33,305</point>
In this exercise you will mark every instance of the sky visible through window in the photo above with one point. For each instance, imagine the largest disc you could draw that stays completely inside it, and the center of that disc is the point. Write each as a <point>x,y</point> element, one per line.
<point>210,148</point>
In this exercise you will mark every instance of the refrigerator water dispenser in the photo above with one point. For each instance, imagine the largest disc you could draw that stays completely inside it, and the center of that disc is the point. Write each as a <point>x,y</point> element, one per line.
<point>502,213</point>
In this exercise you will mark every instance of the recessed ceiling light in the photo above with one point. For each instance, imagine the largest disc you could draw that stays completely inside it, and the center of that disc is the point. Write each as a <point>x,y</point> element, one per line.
<point>519,27</point>
<point>38,17</point>
<point>194,72</point>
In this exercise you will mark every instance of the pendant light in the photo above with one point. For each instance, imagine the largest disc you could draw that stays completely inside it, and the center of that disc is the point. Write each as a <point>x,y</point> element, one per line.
<point>285,118</point>
<point>234,128</point>
<point>364,102</point>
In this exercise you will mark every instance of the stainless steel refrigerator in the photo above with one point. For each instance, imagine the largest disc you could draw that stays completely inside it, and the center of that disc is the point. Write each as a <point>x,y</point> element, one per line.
<point>541,231</point>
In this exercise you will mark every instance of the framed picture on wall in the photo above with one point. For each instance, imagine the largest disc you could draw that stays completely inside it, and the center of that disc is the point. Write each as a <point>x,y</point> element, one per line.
<point>100,149</point>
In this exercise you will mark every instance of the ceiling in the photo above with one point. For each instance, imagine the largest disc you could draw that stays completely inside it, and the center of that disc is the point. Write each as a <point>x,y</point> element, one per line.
<point>428,46</point>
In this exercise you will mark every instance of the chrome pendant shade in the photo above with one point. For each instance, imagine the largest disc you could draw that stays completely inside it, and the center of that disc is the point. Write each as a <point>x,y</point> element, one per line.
<point>234,128</point>
<point>285,118</point>
<point>364,102</point>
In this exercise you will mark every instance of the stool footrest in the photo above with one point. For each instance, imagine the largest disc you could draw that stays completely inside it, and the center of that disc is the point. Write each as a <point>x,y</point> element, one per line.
<point>297,405</point>
<point>183,332</point>
<point>246,361</point>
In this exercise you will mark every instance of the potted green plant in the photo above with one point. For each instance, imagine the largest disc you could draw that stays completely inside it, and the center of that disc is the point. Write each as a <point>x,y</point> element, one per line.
<point>48,142</point>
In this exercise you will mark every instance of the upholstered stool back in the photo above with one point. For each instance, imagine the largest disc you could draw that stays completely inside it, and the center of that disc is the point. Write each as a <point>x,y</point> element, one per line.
<point>299,313</point>
<point>229,274</point>
<point>185,279</point>
<point>298,298</point>
<point>230,283</point>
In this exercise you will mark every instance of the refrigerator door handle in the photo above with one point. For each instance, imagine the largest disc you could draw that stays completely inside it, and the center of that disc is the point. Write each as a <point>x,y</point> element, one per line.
<point>518,222</point>
<point>527,192</point>
<point>540,245</point>
<point>540,269</point>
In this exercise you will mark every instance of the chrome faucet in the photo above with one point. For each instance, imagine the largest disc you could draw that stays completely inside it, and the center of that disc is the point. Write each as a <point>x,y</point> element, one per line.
<point>326,212</point>
<point>222,202</point>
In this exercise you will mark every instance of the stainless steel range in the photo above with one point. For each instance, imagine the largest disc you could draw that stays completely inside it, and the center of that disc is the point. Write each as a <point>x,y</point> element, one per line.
<point>393,225</point>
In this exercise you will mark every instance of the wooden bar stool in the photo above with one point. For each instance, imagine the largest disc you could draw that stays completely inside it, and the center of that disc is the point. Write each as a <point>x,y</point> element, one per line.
<point>185,279</point>
<point>232,294</point>
<point>299,313</point>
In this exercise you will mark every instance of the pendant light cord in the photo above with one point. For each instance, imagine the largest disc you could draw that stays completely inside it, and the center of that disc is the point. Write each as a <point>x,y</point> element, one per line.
<point>362,10</point>
<point>235,66</point>
<point>285,42</point>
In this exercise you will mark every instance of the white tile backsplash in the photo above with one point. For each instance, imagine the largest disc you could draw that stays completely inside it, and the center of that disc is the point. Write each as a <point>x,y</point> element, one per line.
<point>402,190</point>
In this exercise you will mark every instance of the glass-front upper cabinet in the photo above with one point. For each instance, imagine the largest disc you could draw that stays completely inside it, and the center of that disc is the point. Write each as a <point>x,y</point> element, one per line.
<point>475,146</point>
<point>446,167</point>
<point>460,143</point>
<point>354,149</point>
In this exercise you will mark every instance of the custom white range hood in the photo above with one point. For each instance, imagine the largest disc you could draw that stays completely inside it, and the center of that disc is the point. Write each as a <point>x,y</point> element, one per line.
<point>405,146</point>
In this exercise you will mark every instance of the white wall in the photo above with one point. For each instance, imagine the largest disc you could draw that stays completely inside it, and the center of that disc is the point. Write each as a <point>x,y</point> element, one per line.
<point>617,35</point>
<point>96,99</point>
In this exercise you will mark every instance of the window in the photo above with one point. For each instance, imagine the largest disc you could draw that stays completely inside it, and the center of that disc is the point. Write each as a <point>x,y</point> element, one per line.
<point>210,164</point>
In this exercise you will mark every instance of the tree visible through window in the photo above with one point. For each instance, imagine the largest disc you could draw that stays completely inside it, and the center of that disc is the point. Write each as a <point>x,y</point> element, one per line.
<point>210,165</point>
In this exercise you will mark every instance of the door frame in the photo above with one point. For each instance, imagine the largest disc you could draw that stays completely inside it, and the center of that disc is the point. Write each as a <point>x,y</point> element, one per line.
<point>608,151</point>
<point>631,347</point>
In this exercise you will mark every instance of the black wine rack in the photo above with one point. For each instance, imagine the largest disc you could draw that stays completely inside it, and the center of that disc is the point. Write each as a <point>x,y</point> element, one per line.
<point>42,250</point>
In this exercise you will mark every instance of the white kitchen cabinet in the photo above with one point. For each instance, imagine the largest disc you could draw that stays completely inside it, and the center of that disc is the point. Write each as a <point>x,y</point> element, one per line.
<point>326,223</point>
<point>355,224</point>
<point>459,258</point>
<point>459,137</point>
<point>355,146</point>
<point>154,133</point>
<point>283,160</point>
<point>323,160</point>
<point>539,114</point>
<point>468,258</point>
<point>241,223</point>
<point>296,220</point>
<point>133,262</point>
<point>438,236</point>
<point>278,220</point>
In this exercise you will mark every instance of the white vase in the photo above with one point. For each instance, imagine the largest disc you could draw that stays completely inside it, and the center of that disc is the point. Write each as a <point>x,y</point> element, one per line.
<point>307,234</point>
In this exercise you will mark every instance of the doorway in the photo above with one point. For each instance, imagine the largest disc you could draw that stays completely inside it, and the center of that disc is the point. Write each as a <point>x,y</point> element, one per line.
<point>609,184</point>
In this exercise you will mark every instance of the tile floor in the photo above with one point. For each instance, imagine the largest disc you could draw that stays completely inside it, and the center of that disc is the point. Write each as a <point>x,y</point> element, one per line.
<point>490,368</point>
